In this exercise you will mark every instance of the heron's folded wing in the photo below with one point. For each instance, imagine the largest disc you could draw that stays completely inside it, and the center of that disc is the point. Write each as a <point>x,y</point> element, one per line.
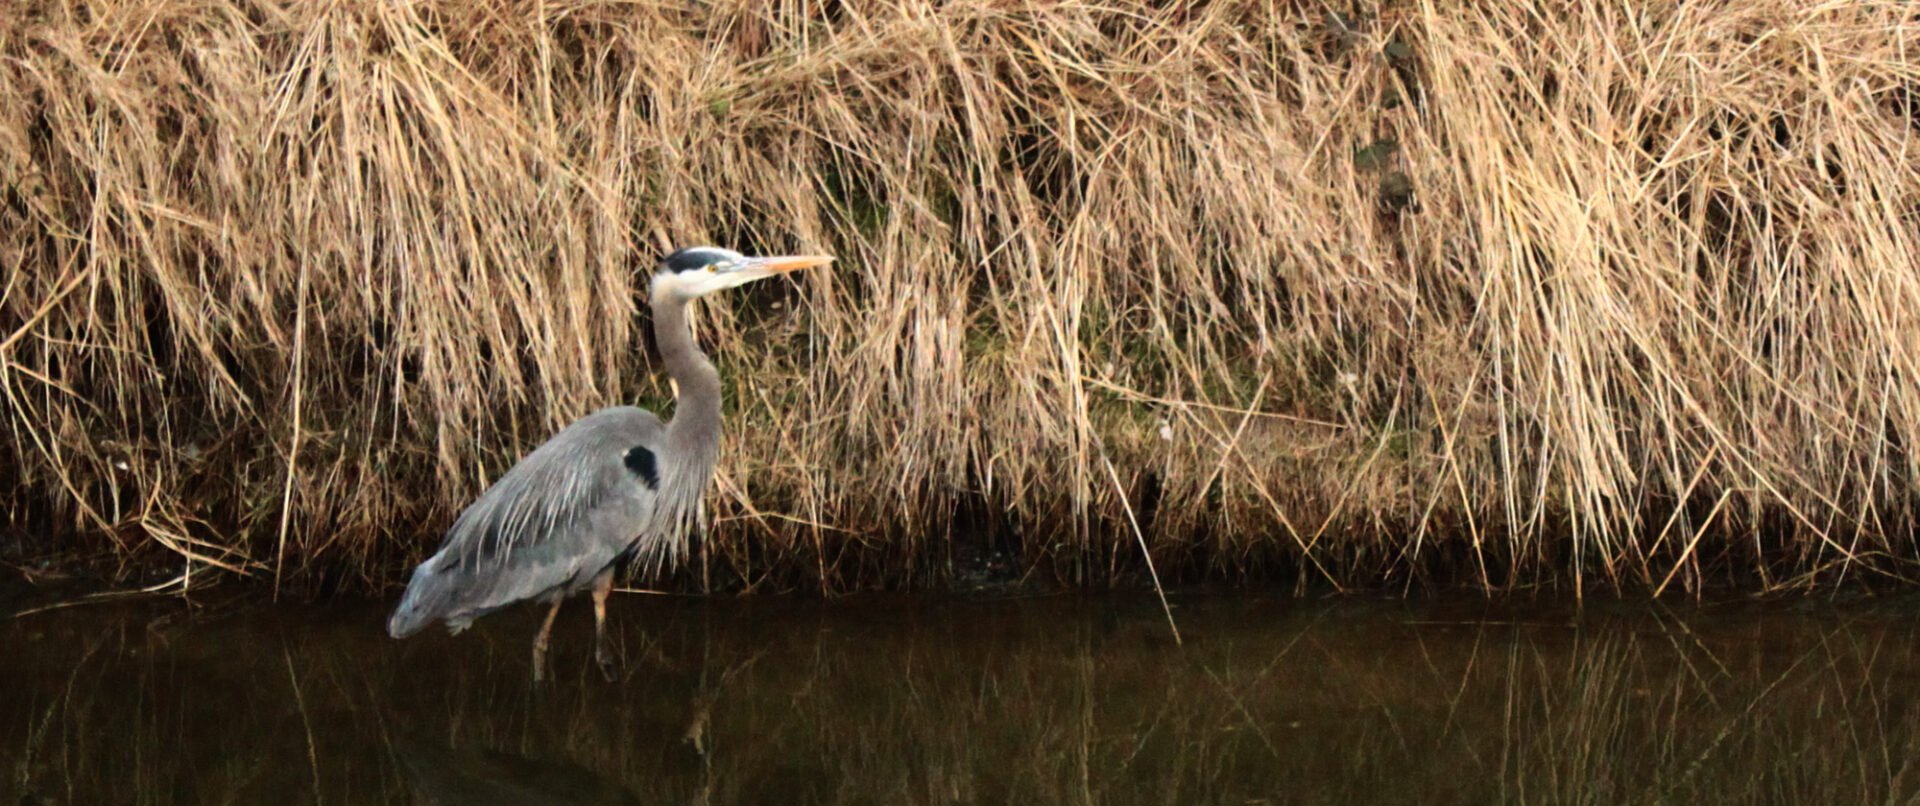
<point>549,500</point>
<point>565,510</point>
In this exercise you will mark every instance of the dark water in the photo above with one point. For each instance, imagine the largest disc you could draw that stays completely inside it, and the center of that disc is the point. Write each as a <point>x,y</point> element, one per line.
<point>1058,700</point>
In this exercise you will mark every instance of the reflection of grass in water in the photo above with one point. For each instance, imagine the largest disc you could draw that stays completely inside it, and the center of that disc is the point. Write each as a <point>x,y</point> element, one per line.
<point>440,774</point>
<point>1050,702</point>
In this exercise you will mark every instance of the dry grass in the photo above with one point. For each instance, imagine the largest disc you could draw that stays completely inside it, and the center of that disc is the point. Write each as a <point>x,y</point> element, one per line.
<point>1549,293</point>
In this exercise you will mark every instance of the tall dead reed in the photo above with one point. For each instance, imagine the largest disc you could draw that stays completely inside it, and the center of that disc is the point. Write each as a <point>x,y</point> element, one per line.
<point>1509,294</point>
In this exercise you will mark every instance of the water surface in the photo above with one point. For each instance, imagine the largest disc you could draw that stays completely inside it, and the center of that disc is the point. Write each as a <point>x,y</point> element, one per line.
<point>1048,700</point>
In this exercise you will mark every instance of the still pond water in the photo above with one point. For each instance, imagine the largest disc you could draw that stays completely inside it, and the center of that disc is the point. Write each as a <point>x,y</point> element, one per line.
<point>1047,700</point>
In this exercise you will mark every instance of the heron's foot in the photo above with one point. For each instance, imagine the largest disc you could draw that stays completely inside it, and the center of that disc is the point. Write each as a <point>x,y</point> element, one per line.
<point>603,657</point>
<point>695,736</point>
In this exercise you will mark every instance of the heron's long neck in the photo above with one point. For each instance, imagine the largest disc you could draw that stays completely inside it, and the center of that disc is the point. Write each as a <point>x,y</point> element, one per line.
<point>694,432</point>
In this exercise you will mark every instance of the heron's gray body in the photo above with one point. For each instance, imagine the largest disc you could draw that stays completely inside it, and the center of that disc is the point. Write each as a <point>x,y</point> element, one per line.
<point>563,514</point>
<point>616,484</point>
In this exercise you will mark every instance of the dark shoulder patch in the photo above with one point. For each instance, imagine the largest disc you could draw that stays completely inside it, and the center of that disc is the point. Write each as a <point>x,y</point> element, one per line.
<point>641,464</point>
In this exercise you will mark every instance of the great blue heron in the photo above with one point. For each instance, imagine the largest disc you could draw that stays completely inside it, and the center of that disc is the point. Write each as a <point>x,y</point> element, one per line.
<point>616,486</point>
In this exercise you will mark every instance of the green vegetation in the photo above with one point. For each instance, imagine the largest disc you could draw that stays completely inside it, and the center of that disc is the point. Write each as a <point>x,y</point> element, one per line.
<point>1398,295</point>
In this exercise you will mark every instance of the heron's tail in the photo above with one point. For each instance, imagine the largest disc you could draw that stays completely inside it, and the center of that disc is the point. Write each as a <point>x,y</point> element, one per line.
<point>426,599</point>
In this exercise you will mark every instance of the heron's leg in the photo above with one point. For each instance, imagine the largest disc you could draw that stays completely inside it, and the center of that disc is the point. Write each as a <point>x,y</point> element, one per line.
<point>602,654</point>
<point>540,642</point>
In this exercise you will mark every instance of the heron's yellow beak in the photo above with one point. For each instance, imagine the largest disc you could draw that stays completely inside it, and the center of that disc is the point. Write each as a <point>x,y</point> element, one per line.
<point>782,265</point>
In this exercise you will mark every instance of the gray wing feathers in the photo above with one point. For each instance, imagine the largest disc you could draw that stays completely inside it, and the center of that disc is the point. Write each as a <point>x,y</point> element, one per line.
<point>555,491</point>
<point>555,519</point>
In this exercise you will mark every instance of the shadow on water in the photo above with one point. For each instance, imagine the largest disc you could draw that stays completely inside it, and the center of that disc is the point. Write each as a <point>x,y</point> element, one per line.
<point>913,701</point>
<point>480,777</point>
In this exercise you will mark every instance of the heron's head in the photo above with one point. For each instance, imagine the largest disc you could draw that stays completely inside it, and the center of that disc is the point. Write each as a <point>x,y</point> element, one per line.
<point>697,271</point>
